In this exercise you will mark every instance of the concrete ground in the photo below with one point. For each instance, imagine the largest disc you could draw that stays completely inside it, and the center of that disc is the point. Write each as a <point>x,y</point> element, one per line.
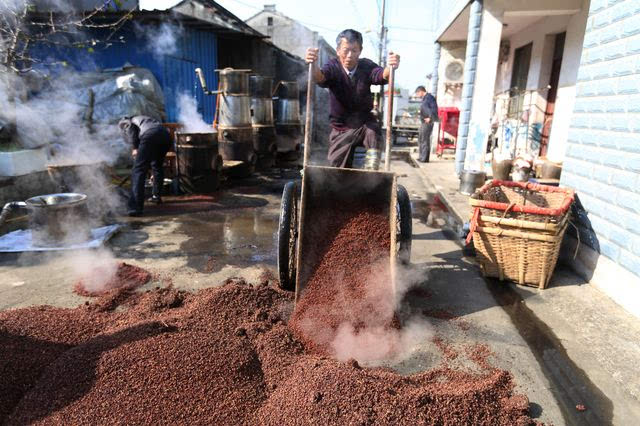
<point>565,345</point>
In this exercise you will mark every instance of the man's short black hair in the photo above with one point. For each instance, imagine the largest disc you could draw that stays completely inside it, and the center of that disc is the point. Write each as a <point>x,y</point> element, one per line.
<point>419,88</point>
<point>352,36</point>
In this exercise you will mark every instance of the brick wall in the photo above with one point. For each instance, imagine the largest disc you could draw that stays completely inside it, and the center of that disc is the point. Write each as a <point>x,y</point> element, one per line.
<point>602,161</point>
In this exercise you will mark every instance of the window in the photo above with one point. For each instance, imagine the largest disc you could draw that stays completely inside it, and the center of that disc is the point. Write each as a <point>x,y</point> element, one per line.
<point>270,21</point>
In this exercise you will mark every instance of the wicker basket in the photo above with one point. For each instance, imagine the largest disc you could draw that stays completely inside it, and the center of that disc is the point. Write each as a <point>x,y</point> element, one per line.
<point>517,229</point>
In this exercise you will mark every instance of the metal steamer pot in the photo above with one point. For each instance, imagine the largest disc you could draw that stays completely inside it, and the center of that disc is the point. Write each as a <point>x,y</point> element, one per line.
<point>261,101</point>
<point>235,111</point>
<point>260,86</point>
<point>55,219</point>
<point>234,81</point>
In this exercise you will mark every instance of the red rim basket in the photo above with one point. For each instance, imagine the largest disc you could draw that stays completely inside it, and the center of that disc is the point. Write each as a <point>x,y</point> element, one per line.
<point>517,229</point>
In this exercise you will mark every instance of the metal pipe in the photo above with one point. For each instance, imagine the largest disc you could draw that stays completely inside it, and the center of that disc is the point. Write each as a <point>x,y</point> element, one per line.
<point>203,83</point>
<point>10,208</point>
<point>387,152</point>
<point>309,111</point>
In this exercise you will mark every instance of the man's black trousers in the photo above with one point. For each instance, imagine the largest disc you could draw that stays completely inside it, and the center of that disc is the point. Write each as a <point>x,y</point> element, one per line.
<point>154,145</point>
<point>424,141</point>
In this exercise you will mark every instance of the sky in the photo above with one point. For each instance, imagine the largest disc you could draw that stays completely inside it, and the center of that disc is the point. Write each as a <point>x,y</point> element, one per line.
<point>411,23</point>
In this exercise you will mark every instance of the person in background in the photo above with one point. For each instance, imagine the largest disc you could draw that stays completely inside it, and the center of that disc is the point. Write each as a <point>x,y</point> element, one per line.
<point>150,142</point>
<point>428,115</point>
<point>349,78</point>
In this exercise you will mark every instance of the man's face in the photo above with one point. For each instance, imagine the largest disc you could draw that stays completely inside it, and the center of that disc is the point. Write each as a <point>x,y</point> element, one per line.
<point>420,93</point>
<point>349,54</point>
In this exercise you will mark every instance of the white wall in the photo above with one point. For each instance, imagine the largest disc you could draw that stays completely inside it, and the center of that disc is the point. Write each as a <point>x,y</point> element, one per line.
<point>566,97</point>
<point>540,52</point>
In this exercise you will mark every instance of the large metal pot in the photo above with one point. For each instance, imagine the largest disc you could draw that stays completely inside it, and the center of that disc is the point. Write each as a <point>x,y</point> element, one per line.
<point>235,111</point>
<point>55,219</point>
<point>260,86</point>
<point>210,138</point>
<point>199,163</point>
<point>288,111</point>
<point>234,81</point>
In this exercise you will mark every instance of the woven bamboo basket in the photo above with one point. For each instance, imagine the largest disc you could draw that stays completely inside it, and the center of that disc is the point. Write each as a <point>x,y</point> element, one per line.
<point>517,229</point>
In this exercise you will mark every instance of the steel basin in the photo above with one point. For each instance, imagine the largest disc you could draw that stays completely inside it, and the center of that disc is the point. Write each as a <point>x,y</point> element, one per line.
<point>58,219</point>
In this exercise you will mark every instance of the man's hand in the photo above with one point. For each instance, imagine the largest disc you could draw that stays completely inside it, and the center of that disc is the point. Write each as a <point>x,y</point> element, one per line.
<point>427,120</point>
<point>312,55</point>
<point>393,60</point>
<point>134,153</point>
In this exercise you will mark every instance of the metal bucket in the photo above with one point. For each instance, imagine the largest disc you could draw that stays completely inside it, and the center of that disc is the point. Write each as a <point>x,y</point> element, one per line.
<point>470,180</point>
<point>234,81</point>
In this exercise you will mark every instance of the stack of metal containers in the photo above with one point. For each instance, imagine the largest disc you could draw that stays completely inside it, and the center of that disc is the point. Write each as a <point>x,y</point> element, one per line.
<point>235,131</point>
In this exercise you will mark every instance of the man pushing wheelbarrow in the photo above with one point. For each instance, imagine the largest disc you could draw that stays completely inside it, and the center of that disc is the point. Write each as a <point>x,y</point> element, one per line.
<point>349,78</point>
<point>315,211</point>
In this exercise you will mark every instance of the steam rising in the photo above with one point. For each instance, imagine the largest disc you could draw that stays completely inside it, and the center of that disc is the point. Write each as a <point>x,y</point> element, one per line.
<point>189,116</point>
<point>162,40</point>
<point>94,269</point>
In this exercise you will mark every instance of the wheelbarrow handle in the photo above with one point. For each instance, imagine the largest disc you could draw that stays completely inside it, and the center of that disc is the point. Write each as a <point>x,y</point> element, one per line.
<point>387,151</point>
<point>309,114</point>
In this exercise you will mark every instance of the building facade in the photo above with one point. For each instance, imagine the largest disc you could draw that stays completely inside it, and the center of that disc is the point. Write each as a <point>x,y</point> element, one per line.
<point>567,78</point>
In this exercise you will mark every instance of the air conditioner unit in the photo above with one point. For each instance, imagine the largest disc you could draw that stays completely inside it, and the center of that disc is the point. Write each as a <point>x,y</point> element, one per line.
<point>454,71</point>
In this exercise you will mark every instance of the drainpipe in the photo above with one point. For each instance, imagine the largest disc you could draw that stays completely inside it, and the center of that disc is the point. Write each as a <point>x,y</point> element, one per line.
<point>434,75</point>
<point>470,66</point>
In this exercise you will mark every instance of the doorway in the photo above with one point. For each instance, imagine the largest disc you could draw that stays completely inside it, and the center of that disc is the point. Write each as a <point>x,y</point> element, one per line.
<point>556,63</point>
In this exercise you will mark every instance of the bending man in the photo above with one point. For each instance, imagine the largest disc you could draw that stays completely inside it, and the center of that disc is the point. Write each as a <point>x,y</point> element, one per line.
<point>349,78</point>
<point>150,142</point>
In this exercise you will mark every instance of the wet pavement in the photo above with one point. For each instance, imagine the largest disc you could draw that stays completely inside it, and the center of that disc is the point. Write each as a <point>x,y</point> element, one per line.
<point>199,241</point>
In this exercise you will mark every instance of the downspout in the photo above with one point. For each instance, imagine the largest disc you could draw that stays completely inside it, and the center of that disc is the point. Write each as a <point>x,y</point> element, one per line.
<point>434,75</point>
<point>470,67</point>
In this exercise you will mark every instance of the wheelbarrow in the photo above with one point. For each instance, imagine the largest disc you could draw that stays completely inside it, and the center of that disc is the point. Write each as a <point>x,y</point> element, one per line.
<point>323,187</point>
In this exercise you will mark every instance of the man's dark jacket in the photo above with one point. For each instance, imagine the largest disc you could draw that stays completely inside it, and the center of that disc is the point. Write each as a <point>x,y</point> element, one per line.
<point>134,127</point>
<point>429,107</point>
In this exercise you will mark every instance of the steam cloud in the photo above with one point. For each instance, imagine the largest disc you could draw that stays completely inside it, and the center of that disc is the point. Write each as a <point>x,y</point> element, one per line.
<point>189,116</point>
<point>162,40</point>
<point>93,268</point>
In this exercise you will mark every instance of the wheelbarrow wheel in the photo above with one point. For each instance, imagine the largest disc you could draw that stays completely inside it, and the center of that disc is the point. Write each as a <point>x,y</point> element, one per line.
<point>288,235</point>
<point>404,228</point>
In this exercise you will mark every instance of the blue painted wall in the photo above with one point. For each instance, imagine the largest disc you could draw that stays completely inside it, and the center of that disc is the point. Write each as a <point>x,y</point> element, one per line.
<point>174,71</point>
<point>603,148</point>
